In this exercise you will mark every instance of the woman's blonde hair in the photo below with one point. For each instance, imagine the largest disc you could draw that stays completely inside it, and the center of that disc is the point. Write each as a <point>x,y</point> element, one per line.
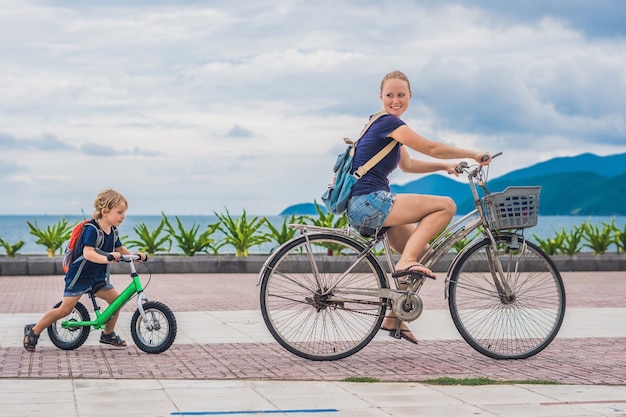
<point>395,75</point>
<point>107,199</point>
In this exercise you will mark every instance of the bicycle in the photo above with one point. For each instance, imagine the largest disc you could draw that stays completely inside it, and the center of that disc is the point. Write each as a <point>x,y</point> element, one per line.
<point>153,325</point>
<point>324,293</point>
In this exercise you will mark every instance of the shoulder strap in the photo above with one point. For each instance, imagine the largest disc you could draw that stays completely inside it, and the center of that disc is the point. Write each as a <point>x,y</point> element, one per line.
<point>362,170</point>
<point>99,241</point>
<point>371,122</point>
<point>116,235</point>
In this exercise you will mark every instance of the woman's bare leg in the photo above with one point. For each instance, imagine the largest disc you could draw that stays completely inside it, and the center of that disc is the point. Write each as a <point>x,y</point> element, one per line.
<point>432,214</point>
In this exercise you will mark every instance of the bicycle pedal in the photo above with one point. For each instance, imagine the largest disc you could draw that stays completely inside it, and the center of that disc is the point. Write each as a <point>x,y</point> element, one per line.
<point>395,334</point>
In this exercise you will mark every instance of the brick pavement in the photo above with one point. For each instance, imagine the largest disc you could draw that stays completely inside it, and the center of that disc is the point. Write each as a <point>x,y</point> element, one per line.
<point>570,361</point>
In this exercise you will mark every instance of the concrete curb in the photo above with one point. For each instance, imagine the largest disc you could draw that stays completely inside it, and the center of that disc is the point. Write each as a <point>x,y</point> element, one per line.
<point>179,264</point>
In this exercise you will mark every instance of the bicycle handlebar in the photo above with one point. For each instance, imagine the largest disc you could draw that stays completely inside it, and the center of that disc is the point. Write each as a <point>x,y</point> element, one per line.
<point>130,258</point>
<point>462,166</point>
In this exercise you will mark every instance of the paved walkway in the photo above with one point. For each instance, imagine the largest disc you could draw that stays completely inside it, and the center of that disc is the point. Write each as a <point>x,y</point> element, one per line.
<point>225,362</point>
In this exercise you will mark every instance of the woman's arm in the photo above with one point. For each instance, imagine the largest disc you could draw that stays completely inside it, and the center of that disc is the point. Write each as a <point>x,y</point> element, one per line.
<point>405,135</point>
<point>415,166</point>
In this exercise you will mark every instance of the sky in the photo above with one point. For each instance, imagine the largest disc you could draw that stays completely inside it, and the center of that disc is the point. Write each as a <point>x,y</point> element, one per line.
<point>196,107</point>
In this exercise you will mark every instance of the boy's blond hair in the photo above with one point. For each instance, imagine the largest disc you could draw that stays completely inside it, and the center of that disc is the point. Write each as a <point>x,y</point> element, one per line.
<point>107,199</point>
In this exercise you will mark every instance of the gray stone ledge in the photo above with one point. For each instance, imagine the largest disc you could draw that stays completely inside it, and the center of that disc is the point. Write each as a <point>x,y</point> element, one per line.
<point>179,264</point>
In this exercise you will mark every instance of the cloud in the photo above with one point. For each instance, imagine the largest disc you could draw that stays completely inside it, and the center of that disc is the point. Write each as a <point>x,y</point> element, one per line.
<point>155,92</point>
<point>239,132</point>
<point>47,142</point>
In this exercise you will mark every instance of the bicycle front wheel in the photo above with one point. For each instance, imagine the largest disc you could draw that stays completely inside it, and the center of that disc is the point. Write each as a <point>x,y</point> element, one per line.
<point>158,333</point>
<point>307,300</point>
<point>507,326</point>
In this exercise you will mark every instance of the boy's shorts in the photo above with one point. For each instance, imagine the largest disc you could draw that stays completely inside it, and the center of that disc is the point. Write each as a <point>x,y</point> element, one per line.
<point>367,213</point>
<point>80,287</point>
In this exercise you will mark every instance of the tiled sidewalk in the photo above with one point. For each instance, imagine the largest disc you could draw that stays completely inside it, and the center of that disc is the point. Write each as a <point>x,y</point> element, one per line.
<point>577,359</point>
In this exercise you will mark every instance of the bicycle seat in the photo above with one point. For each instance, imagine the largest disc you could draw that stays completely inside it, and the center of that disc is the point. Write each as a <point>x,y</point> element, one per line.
<point>97,287</point>
<point>368,233</point>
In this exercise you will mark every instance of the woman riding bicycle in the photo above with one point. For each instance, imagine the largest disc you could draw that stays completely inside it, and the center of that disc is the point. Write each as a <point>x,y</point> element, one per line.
<point>413,220</point>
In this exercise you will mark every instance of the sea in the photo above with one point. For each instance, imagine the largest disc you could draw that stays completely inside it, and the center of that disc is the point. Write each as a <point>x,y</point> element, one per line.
<point>14,228</point>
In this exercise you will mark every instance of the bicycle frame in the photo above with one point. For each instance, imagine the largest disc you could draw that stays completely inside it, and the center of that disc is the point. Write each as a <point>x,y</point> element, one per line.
<point>439,247</point>
<point>102,317</point>
<point>396,295</point>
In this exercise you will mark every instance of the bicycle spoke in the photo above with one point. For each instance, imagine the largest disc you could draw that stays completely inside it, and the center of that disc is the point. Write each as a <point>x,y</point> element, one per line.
<point>504,327</point>
<point>300,307</point>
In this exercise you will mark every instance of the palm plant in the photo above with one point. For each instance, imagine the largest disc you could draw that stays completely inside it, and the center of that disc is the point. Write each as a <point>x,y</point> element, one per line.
<point>10,249</point>
<point>551,246</point>
<point>188,239</point>
<point>598,240</point>
<point>241,233</point>
<point>619,238</point>
<point>53,236</point>
<point>325,219</point>
<point>284,233</point>
<point>572,242</point>
<point>151,242</point>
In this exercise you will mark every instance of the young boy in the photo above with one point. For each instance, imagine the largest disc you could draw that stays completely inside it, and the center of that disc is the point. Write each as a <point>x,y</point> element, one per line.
<point>110,211</point>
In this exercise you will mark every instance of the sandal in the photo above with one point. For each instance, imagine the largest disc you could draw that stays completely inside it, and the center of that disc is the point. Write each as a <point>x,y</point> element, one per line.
<point>398,333</point>
<point>112,339</point>
<point>414,273</point>
<point>30,338</point>
<point>405,334</point>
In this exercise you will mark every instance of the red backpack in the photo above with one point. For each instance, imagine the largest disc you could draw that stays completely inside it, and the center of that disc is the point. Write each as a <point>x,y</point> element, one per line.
<point>74,250</point>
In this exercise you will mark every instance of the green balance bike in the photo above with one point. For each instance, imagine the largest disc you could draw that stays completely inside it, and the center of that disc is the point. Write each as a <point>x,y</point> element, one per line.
<point>153,325</point>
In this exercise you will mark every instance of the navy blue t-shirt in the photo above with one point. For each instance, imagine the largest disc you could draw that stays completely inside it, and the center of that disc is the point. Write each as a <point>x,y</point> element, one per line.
<point>93,270</point>
<point>375,139</point>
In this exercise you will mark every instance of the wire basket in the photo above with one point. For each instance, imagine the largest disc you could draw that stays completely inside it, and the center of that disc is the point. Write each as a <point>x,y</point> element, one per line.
<point>513,208</point>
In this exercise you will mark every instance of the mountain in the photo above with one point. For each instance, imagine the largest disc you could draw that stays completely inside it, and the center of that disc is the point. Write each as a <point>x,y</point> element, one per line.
<point>573,193</point>
<point>580,185</point>
<point>435,185</point>
<point>604,166</point>
<point>304,209</point>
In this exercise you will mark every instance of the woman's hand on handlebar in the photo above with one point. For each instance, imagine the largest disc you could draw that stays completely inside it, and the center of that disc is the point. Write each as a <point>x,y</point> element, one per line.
<point>483,158</point>
<point>453,169</point>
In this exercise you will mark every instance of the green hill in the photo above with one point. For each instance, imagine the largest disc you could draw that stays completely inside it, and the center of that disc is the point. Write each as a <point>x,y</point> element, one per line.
<point>581,185</point>
<point>574,193</point>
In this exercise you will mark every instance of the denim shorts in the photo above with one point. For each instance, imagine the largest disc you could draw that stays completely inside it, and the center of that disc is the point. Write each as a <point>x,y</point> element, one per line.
<point>81,288</point>
<point>367,213</point>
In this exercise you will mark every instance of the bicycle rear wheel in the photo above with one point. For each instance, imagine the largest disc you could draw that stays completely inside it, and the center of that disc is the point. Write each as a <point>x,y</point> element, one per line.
<point>515,327</point>
<point>74,337</point>
<point>302,306</point>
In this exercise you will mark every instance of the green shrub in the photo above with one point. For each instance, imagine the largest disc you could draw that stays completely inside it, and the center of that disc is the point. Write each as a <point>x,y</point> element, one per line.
<point>551,246</point>
<point>598,239</point>
<point>150,242</point>
<point>53,236</point>
<point>188,239</point>
<point>325,219</point>
<point>11,249</point>
<point>241,233</point>
<point>283,233</point>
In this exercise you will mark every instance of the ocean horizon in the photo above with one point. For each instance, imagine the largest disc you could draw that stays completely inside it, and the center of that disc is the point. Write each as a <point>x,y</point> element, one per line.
<point>13,228</point>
